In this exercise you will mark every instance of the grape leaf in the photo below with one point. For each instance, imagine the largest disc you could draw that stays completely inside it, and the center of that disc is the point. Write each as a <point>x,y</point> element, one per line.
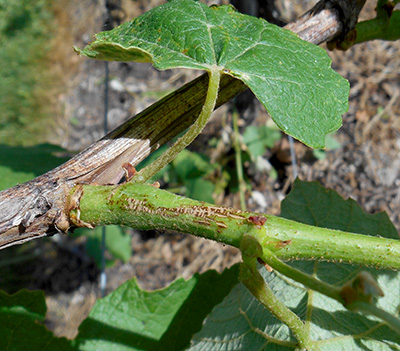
<point>292,78</point>
<point>188,172</point>
<point>259,138</point>
<point>19,327</point>
<point>133,319</point>
<point>312,204</point>
<point>191,168</point>
<point>240,322</point>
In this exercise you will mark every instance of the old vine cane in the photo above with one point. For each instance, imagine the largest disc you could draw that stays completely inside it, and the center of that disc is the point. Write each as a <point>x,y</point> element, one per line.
<point>37,208</point>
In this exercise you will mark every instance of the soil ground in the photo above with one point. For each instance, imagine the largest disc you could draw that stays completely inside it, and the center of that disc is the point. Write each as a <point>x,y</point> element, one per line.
<point>365,166</point>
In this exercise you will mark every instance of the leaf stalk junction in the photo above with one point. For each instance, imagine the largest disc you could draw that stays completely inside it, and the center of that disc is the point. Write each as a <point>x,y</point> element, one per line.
<point>208,107</point>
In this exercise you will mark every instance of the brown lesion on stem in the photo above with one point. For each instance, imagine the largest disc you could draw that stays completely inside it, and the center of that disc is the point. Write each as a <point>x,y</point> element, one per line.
<point>259,221</point>
<point>202,214</point>
<point>209,212</point>
<point>267,266</point>
<point>283,243</point>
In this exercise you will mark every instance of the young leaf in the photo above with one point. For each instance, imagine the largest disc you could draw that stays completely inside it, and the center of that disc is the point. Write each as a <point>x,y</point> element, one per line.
<point>118,242</point>
<point>19,327</point>
<point>133,319</point>
<point>187,169</point>
<point>191,165</point>
<point>191,168</point>
<point>292,78</point>
<point>241,322</point>
<point>259,138</point>
<point>331,143</point>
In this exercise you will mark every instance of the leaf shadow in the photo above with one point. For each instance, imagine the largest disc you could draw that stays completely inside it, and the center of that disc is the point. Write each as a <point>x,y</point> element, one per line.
<point>344,323</point>
<point>187,321</point>
<point>36,159</point>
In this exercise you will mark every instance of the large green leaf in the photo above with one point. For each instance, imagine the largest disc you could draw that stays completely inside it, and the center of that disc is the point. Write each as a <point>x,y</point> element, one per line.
<point>133,319</point>
<point>19,327</point>
<point>312,204</point>
<point>240,322</point>
<point>292,78</point>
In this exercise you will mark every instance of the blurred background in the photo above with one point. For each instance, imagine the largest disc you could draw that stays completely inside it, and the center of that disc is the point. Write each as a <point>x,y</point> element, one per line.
<point>52,105</point>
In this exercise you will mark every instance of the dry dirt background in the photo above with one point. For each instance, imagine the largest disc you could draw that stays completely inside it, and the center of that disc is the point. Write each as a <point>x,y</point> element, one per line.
<point>366,167</point>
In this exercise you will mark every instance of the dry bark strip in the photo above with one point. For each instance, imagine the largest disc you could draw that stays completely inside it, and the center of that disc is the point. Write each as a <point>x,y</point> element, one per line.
<point>39,207</point>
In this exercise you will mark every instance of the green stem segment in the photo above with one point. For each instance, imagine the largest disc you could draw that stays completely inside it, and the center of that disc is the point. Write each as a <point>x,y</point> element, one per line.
<point>197,127</point>
<point>252,279</point>
<point>290,240</point>
<point>267,237</point>
<point>143,206</point>
<point>384,26</point>
<point>251,250</point>
<point>301,277</point>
